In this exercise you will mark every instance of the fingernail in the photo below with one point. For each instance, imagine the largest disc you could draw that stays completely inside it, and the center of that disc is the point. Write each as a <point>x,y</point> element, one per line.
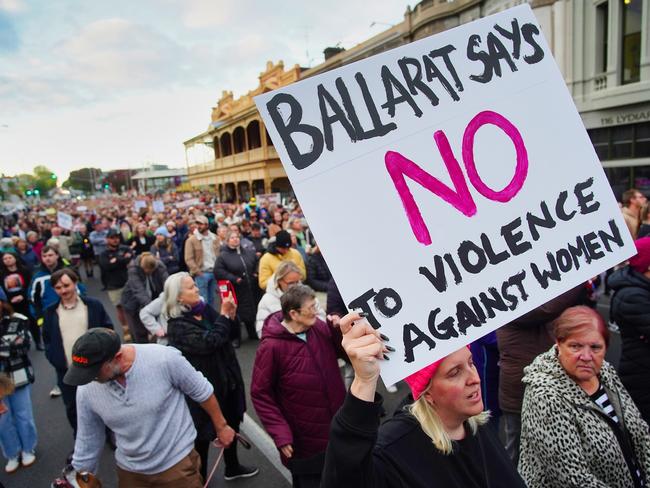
<point>390,349</point>
<point>384,338</point>
<point>363,314</point>
<point>386,357</point>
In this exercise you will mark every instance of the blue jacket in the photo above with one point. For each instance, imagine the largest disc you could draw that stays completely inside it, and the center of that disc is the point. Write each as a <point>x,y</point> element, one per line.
<point>97,317</point>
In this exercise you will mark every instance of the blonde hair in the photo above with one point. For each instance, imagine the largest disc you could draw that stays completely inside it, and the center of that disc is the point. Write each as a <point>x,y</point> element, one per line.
<point>432,425</point>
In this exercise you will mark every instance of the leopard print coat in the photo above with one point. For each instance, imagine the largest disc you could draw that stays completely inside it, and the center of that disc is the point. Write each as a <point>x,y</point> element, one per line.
<point>565,441</point>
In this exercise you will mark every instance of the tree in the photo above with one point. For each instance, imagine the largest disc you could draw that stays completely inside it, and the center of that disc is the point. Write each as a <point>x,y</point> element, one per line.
<point>84,179</point>
<point>44,179</point>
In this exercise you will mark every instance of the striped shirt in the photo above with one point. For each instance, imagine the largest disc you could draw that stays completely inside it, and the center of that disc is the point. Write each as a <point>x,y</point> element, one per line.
<point>602,400</point>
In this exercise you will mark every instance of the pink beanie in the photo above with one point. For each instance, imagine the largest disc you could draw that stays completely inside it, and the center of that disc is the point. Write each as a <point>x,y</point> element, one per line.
<point>419,380</point>
<point>641,261</point>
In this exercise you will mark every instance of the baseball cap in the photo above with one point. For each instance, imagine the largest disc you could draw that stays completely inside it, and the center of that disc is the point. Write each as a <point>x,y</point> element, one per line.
<point>283,239</point>
<point>112,232</point>
<point>89,353</point>
<point>202,219</point>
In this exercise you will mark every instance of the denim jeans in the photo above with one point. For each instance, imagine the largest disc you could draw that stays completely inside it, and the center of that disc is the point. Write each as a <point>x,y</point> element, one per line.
<point>17,427</point>
<point>207,287</point>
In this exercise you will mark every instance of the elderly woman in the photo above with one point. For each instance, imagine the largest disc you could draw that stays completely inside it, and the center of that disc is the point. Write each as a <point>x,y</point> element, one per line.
<point>204,337</point>
<point>286,275</point>
<point>297,387</point>
<point>146,279</point>
<point>238,265</point>
<point>441,440</point>
<point>579,425</point>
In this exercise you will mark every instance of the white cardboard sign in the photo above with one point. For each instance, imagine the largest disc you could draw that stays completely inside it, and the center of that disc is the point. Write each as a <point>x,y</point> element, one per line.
<point>64,220</point>
<point>138,204</point>
<point>450,183</point>
<point>188,203</point>
<point>158,206</point>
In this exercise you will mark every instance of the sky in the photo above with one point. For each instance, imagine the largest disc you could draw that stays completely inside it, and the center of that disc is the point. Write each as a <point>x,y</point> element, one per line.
<point>122,84</point>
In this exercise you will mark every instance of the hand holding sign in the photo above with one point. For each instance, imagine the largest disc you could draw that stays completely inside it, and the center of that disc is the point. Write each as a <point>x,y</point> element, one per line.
<point>365,348</point>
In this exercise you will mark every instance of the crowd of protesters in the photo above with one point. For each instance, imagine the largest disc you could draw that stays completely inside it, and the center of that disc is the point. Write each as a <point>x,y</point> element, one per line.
<point>534,404</point>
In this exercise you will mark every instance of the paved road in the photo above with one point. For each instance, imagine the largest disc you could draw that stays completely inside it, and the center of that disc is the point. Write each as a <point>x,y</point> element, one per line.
<point>55,439</point>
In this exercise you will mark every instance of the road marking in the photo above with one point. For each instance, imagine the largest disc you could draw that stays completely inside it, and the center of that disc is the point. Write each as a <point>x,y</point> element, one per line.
<point>265,444</point>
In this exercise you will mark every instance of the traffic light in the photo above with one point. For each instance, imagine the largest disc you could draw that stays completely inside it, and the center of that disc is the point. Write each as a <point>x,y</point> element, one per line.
<point>37,191</point>
<point>107,186</point>
<point>53,176</point>
<point>28,193</point>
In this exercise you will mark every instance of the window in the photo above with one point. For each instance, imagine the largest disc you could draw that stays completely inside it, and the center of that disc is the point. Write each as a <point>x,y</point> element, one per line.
<point>622,141</point>
<point>602,31</point>
<point>631,40</point>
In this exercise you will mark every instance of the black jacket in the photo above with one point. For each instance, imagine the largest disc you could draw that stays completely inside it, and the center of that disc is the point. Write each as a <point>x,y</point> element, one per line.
<point>232,264</point>
<point>400,454</point>
<point>630,309</point>
<point>114,275</point>
<point>206,345</point>
<point>318,274</point>
<point>97,317</point>
<point>140,247</point>
<point>135,295</point>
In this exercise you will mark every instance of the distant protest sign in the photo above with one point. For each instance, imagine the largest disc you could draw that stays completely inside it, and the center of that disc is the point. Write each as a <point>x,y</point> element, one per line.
<point>268,198</point>
<point>64,220</point>
<point>138,204</point>
<point>188,203</point>
<point>158,206</point>
<point>450,184</point>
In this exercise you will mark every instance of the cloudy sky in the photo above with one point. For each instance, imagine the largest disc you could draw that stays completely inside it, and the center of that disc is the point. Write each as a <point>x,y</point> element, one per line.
<point>123,83</point>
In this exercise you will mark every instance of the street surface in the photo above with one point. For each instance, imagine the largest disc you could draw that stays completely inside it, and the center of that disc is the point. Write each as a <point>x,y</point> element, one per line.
<point>55,439</point>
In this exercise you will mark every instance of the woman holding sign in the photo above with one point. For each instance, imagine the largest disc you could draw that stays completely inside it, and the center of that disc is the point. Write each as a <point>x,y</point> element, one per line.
<point>441,440</point>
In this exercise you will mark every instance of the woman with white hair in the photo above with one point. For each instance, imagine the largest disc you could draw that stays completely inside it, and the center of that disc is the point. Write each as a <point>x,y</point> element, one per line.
<point>286,275</point>
<point>441,440</point>
<point>204,337</point>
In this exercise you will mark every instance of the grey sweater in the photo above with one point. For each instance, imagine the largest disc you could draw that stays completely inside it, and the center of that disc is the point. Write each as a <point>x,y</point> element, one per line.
<point>152,424</point>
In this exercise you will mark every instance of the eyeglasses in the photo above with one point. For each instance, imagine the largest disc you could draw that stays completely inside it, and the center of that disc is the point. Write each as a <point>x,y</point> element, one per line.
<point>313,308</point>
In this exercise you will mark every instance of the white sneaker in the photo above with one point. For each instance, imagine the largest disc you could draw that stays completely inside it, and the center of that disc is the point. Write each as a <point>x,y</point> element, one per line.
<point>12,465</point>
<point>28,458</point>
<point>55,392</point>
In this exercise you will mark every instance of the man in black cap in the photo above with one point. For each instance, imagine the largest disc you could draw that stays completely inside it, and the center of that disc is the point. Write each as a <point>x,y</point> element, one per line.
<point>137,391</point>
<point>114,262</point>
<point>278,251</point>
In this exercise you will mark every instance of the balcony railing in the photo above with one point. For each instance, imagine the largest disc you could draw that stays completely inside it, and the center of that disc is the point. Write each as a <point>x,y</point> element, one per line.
<point>253,156</point>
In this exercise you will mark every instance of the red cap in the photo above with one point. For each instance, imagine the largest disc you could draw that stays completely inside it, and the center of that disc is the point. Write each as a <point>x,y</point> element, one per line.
<point>419,380</point>
<point>641,262</point>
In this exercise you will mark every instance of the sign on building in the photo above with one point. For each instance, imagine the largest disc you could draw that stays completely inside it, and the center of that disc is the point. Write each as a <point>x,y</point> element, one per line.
<point>450,183</point>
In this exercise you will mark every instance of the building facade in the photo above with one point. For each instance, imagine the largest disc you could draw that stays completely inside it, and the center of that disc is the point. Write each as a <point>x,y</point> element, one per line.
<point>602,48</point>
<point>235,156</point>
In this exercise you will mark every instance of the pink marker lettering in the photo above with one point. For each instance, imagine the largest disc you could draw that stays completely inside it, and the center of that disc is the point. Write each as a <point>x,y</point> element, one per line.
<point>460,198</point>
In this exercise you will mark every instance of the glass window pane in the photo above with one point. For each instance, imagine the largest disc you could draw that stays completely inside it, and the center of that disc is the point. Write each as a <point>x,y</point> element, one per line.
<point>619,179</point>
<point>622,137</point>
<point>642,140</point>
<point>631,40</point>
<point>602,25</point>
<point>600,140</point>
<point>642,179</point>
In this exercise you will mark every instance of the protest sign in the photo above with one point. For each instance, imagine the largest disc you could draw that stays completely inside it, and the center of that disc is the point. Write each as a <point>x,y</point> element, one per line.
<point>64,220</point>
<point>450,183</point>
<point>81,208</point>
<point>158,206</point>
<point>188,203</point>
<point>268,198</point>
<point>138,204</point>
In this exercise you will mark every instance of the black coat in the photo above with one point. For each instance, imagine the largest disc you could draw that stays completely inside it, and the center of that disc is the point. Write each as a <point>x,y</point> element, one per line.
<point>318,274</point>
<point>114,275</point>
<point>206,345</point>
<point>135,296</point>
<point>400,454</point>
<point>233,264</point>
<point>140,247</point>
<point>630,309</point>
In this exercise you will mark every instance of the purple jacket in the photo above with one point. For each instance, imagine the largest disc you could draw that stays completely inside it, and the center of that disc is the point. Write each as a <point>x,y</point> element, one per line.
<point>297,386</point>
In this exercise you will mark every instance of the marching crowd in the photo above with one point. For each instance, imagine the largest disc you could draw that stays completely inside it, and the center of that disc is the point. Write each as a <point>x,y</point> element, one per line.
<point>533,404</point>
